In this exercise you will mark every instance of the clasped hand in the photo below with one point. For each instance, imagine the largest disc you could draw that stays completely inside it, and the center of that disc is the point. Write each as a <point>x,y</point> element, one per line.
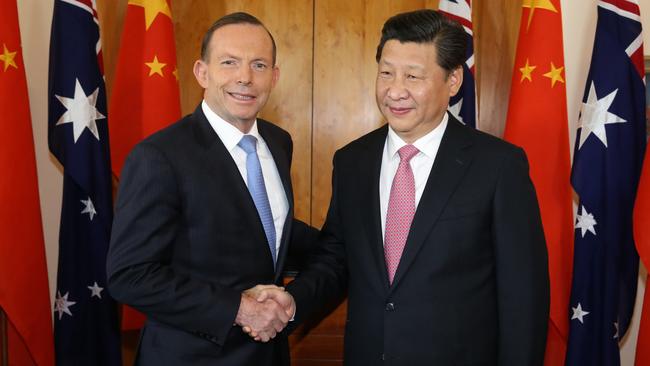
<point>264,311</point>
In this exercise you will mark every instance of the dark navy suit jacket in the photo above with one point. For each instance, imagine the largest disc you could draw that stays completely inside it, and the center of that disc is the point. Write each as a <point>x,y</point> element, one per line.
<point>187,240</point>
<point>472,285</point>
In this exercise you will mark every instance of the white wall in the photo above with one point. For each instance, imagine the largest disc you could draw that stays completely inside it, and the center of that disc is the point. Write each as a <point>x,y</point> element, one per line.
<point>35,22</point>
<point>35,18</point>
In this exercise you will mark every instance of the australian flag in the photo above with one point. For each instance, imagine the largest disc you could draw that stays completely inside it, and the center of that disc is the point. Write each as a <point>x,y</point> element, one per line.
<point>86,328</point>
<point>606,166</point>
<point>463,104</point>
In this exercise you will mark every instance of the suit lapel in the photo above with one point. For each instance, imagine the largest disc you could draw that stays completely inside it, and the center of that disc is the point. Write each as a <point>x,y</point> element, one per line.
<point>370,169</point>
<point>284,170</point>
<point>452,160</point>
<point>222,167</point>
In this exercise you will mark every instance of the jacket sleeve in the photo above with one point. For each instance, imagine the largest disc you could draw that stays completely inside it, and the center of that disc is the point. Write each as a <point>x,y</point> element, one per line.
<point>521,266</point>
<point>323,280</point>
<point>146,230</point>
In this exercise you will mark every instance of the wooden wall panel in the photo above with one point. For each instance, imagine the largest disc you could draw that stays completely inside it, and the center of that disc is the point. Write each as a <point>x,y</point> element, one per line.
<point>496,24</point>
<point>111,21</point>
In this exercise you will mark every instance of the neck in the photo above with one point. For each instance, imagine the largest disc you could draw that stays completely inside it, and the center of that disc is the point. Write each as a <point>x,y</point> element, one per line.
<point>243,126</point>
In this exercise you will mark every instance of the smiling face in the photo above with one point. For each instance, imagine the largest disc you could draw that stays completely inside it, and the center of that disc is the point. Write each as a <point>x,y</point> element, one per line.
<point>239,74</point>
<point>412,90</point>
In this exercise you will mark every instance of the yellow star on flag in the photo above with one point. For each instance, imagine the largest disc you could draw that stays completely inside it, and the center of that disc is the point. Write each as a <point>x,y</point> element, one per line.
<point>537,4</point>
<point>155,67</point>
<point>526,72</point>
<point>151,9</point>
<point>555,74</point>
<point>8,57</point>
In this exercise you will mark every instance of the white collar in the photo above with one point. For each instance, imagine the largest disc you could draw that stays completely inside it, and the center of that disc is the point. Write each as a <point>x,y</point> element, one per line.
<point>426,144</point>
<point>229,134</point>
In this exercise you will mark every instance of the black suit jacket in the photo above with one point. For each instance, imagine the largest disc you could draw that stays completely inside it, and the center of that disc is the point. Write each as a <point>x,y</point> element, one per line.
<point>187,240</point>
<point>472,286</point>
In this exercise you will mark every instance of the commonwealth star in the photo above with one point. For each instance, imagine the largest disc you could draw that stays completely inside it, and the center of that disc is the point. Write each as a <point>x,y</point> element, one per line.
<point>81,111</point>
<point>594,115</point>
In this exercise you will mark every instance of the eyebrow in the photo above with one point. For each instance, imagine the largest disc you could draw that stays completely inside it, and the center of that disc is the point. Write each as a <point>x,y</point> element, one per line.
<point>410,67</point>
<point>228,55</point>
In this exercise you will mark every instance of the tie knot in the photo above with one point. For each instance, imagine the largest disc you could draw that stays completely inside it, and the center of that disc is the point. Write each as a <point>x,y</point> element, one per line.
<point>248,143</point>
<point>407,152</point>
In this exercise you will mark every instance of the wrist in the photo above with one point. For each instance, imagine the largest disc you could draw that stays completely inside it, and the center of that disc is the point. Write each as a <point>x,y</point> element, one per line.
<point>244,305</point>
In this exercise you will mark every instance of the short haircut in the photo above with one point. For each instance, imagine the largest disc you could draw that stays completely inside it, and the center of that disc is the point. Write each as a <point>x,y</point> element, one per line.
<point>233,18</point>
<point>428,26</point>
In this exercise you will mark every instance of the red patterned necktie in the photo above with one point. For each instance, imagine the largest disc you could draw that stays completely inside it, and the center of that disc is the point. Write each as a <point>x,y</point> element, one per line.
<point>401,209</point>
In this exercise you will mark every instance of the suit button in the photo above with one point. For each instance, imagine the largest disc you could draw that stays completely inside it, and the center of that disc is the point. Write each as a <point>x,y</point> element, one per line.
<point>390,306</point>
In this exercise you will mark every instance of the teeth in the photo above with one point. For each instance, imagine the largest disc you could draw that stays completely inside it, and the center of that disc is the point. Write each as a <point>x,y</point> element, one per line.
<point>241,97</point>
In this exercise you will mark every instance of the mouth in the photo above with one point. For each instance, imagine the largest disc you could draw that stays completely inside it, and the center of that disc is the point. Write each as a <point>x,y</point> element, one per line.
<point>399,111</point>
<point>242,97</point>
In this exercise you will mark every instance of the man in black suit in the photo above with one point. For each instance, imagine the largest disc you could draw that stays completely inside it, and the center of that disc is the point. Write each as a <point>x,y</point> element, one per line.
<point>205,211</point>
<point>433,227</point>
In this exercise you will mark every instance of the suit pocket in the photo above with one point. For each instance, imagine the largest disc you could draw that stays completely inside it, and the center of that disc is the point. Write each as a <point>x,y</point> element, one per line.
<point>458,211</point>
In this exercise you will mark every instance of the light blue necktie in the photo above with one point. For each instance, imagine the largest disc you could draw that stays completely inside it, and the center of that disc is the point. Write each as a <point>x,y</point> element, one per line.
<point>257,189</point>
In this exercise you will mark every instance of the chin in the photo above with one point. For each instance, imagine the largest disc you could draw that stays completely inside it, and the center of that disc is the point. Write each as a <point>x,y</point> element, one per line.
<point>399,126</point>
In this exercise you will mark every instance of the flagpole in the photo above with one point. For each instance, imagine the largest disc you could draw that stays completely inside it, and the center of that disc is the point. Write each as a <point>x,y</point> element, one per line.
<point>4,349</point>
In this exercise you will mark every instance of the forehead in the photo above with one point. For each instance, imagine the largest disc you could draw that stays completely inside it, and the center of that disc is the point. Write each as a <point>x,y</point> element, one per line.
<point>242,38</point>
<point>409,54</point>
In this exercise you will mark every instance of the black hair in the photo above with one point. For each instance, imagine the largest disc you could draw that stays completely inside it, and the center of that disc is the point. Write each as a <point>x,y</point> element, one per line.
<point>428,26</point>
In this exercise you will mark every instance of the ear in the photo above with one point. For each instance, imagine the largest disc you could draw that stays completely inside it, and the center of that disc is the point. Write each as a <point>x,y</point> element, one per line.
<point>201,73</point>
<point>455,80</point>
<point>276,76</point>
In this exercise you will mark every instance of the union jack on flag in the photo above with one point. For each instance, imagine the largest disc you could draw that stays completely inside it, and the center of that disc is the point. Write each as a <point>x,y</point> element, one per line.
<point>86,328</point>
<point>463,104</point>
<point>608,154</point>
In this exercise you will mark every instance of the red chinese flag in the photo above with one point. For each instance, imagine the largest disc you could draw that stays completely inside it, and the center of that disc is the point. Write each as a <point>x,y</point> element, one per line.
<point>537,121</point>
<point>24,289</point>
<point>145,95</point>
<point>642,239</point>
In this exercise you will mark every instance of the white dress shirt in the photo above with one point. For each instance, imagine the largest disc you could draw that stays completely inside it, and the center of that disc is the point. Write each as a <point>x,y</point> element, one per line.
<point>421,164</point>
<point>230,136</point>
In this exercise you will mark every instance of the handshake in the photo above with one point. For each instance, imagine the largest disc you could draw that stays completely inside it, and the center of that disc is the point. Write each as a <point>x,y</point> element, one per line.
<point>264,311</point>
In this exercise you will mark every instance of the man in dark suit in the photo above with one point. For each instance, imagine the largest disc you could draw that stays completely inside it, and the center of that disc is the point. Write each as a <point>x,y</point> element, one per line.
<point>205,211</point>
<point>433,227</point>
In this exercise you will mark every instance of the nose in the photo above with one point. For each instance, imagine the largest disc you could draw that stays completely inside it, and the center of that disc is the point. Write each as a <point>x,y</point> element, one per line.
<point>244,76</point>
<point>396,89</point>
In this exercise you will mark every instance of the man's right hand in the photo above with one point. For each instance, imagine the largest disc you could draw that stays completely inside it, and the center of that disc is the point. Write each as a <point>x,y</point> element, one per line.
<point>262,318</point>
